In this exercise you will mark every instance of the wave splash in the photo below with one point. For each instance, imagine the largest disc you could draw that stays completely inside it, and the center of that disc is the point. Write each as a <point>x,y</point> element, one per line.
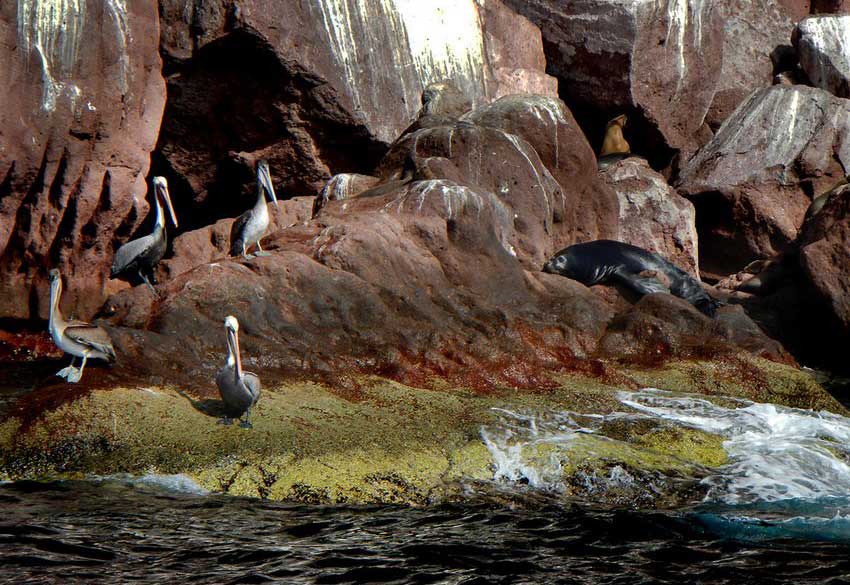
<point>787,474</point>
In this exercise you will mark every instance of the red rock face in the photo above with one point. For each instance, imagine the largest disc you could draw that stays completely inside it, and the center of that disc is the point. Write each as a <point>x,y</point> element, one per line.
<point>82,98</point>
<point>659,61</point>
<point>824,246</point>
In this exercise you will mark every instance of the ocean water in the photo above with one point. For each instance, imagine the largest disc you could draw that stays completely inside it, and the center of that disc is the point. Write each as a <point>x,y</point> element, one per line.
<point>777,512</point>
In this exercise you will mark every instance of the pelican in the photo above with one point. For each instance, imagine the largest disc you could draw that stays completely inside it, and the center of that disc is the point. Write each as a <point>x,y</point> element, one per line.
<point>141,255</point>
<point>80,339</point>
<point>239,390</point>
<point>251,226</point>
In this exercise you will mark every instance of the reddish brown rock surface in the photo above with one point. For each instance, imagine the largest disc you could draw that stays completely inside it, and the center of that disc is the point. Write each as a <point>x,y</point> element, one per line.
<point>434,272</point>
<point>757,39</point>
<point>752,183</point>
<point>81,99</point>
<point>824,251</point>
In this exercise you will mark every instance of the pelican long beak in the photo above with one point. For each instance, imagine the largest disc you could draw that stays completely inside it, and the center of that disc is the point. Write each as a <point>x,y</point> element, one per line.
<point>266,181</point>
<point>166,196</point>
<point>238,357</point>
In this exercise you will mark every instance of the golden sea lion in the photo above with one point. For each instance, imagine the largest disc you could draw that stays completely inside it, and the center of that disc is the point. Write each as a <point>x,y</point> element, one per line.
<point>615,142</point>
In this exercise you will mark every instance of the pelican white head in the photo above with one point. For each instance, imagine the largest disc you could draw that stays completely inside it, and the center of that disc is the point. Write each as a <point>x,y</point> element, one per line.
<point>160,186</point>
<point>265,179</point>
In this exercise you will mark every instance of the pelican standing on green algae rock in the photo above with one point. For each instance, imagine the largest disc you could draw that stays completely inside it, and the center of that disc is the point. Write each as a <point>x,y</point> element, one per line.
<point>240,390</point>
<point>80,339</point>
<point>141,255</point>
<point>251,226</point>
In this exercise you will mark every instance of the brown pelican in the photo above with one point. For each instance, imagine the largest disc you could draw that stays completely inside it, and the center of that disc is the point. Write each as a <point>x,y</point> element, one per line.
<point>75,337</point>
<point>251,226</point>
<point>139,257</point>
<point>239,390</point>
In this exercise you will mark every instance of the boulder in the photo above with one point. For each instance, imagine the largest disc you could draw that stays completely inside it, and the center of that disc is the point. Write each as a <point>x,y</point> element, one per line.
<point>757,40</point>
<point>661,325</point>
<point>751,185</point>
<point>823,46</point>
<point>658,60</point>
<point>82,97</point>
<point>825,259</point>
<point>323,86</point>
<point>653,215</point>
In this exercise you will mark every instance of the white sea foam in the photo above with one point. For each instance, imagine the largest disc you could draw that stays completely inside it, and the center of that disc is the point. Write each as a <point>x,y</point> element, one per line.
<point>178,483</point>
<point>775,453</point>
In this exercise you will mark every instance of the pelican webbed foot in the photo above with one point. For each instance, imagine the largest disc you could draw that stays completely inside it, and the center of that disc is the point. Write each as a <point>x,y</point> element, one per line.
<point>65,372</point>
<point>260,251</point>
<point>74,376</point>
<point>245,424</point>
<point>225,420</point>
<point>248,256</point>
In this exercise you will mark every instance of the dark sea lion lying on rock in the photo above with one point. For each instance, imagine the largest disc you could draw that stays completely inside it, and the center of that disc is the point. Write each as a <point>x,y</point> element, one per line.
<point>643,272</point>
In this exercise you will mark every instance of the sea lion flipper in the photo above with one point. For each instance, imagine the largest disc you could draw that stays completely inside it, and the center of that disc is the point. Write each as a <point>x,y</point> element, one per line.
<point>642,284</point>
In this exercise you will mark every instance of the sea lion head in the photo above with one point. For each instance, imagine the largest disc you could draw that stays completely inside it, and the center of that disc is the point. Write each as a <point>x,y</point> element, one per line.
<point>618,121</point>
<point>563,264</point>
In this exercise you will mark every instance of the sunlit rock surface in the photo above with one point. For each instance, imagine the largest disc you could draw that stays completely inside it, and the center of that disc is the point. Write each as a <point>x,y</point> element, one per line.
<point>823,44</point>
<point>652,214</point>
<point>750,184</point>
<point>81,100</point>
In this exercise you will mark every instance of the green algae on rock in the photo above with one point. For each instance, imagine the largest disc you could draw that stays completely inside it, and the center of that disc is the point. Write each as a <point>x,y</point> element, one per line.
<point>394,444</point>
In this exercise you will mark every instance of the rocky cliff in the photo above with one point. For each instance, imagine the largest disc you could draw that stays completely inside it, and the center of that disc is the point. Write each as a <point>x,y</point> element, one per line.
<point>430,156</point>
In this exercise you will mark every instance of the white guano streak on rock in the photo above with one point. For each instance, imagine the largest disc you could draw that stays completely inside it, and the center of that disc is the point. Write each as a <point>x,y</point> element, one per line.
<point>457,199</point>
<point>53,29</point>
<point>678,12</point>
<point>118,12</point>
<point>428,41</point>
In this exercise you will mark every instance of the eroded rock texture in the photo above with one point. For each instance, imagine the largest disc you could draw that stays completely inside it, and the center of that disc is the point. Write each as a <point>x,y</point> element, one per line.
<point>320,87</point>
<point>752,183</point>
<point>81,99</point>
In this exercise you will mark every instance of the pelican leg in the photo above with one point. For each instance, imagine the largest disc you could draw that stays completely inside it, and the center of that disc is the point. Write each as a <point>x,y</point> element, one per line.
<point>260,251</point>
<point>64,372</point>
<point>245,424</point>
<point>245,254</point>
<point>147,282</point>
<point>225,420</point>
<point>75,376</point>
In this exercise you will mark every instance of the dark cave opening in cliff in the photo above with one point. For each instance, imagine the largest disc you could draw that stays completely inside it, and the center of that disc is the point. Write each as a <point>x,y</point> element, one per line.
<point>643,137</point>
<point>236,102</point>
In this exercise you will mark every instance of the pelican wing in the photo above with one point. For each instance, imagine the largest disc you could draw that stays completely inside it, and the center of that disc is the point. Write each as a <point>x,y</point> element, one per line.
<point>129,252</point>
<point>91,336</point>
<point>236,232</point>
<point>252,383</point>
